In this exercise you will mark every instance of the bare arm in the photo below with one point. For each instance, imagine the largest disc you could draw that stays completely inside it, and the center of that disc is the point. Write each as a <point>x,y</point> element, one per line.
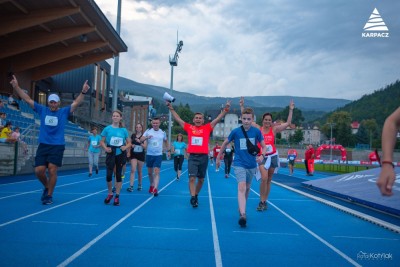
<point>241,103</point>
<point>20,92</point>
<point>175,115</point>
<point>222,114</point>
<point>387,176</point>
<point>283,126</point>
<point>80,97</point>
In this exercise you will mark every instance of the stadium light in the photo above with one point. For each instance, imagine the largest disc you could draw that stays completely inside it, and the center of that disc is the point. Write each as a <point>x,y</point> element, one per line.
<point>174,63</point>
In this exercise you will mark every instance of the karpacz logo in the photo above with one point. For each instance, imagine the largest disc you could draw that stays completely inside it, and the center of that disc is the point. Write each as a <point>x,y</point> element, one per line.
<point>375,26</point>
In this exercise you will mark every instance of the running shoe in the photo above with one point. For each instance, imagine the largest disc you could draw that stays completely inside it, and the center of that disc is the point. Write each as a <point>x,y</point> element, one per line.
<point>265,204</point>
<point>130,189</point>
<point>47,200</point>
<point>116,201</point>
<point>155,192</point>
<point>114,189</point>
<point>139,188</point>
<point>108,199</point>
<point>97,171</point>
<point>177,177</point>
<point>90,175</point>
<point>44,194</point>
<point>194,202</point>
<point>260,206</point>
<point>151,189</point>
<point>242,220</point>
<point>226,175</point>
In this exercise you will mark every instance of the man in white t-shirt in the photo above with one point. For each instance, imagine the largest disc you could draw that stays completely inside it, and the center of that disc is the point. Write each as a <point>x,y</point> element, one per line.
<point>157,143</point>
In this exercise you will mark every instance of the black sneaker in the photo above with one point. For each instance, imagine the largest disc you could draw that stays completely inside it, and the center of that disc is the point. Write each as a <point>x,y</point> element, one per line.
<point>116,201</point>
<point>242,220</point>
<point>193,202</point>
<point>265,205</point>
<point>139,188</point>
<point>260,206</point>
<point>90,175</point>
<point>44,194</point>
<point>48,200</point>
<point>155,192</point>
<point>108,199</point>
<point>97,171</point>
<point>130,189</point>
<point>177,177</point>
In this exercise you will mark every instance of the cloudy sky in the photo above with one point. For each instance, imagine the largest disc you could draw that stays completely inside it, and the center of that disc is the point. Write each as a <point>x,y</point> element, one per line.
<point>308,48</point>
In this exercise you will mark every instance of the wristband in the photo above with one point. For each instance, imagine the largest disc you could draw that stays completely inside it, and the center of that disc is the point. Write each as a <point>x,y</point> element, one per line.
<point>387,162</point>
<point>83,93</point>
<point>226,109</point>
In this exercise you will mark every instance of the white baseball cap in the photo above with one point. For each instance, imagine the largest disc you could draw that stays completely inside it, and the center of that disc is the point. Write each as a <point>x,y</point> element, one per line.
<point>53,97</point>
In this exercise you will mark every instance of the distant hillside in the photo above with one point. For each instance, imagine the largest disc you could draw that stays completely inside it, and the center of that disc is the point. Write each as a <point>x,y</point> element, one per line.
<point>377,105</point>
<point>202,103</point>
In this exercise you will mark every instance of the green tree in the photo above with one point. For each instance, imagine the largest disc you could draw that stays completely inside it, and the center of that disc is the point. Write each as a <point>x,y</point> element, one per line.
<point>341,128</point>
<point>186,115</point>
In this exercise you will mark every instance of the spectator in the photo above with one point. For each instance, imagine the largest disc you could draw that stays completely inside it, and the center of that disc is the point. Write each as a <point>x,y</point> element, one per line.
<point>3,117</point>
<point>12,102</point>
<point>16,134</point>
<point>5,135</point>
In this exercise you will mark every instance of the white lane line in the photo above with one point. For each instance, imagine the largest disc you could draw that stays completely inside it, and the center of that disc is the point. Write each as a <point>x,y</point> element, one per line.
<point>68,223</point>
<point>323,241</point>
<point>361,215</point>
<point>265,233</point>
<point>107,231</point>
<point>165,228</point>
<point>217,250</point>
<point>366,237</point>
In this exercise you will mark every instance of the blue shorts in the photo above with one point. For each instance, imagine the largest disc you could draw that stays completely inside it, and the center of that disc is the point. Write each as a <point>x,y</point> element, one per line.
<point>153,161</point>
<point>46,154</point>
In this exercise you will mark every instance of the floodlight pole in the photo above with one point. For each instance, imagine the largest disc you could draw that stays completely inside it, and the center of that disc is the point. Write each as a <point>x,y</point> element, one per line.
<point>116,62</point>
<point>173,62</point>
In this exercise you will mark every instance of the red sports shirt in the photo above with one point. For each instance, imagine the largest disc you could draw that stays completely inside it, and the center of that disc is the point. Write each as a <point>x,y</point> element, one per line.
<point>198,138</point>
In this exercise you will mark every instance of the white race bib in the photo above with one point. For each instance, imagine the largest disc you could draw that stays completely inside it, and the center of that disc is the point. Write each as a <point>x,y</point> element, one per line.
<point>116,141</point>
<point>197,141</point>
<point>269,148</point>
<point>137,149</point>
<point>50,120</point>
<point>177,151</point>
<point>154,143</point>
<point>94,143</point>
<point>217,150</point>
<point>291,158</point>
<point>228,150</point>
<point>242,144</point>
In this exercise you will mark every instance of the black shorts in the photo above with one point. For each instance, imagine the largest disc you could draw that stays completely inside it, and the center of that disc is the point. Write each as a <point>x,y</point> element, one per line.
<point>139,156</point>
<point>197,165</point>
<point>46,154</point>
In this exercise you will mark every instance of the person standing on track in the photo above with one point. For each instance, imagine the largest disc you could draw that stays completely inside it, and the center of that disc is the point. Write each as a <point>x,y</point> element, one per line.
<point>245,164</point>
<point>179,151</point>
<point>198,143</point>
<point>291,157</point>
<point>271,161</point>
<point>228,157</point>
<point>387,177</point>
<point>50,152</point>
<point>94,150</point>
<point>216,150</point>
<point>156,143</point>
<point>136,155</point>
<point>115,141</point>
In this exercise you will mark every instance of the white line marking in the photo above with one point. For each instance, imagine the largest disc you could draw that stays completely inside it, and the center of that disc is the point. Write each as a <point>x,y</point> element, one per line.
<point>366,237</point>
<point>265,233</point>
<point>86,224</point>
<point>323,241</point>
<point>217,250</point>
<point>109,230</point>
<point>361,215</point>
<point>164,228</point>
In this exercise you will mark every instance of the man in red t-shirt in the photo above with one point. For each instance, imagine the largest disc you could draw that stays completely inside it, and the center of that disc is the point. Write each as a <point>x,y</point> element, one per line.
<point>198,141</point>
<point>309,160</point>
<point>216,150</point>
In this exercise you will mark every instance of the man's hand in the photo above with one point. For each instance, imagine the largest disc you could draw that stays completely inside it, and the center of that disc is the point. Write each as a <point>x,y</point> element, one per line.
<point>14,82</point>
<point>85,87</point>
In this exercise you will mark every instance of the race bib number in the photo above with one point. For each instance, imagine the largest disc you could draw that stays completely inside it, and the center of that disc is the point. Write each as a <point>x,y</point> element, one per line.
<point>269,148</point>
<point>116,141</point>
<point>154,143</point>
<point>177,151</point>
<point>217,150</point>
<point>94,143</point>
<point>228,150</point>
<point>291,158</point>
<point>50,120</point>
<point>197,141</point>
<point>138,149</point>
<point>242,144</point>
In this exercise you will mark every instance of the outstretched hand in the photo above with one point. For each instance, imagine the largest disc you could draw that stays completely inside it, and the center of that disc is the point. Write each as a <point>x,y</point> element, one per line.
<point>85,87</point>
<point>241,101</point>
<point>14,82</point>
<point>291,104</point>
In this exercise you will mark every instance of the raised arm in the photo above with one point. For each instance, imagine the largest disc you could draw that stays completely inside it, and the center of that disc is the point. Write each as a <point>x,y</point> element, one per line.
<point>222,114</point>
<point>80,97</point>
<point>241,103</point>
<point>175,115</point>
<point>283,126</point>
<point>20,92</point>
<point>387,176</point>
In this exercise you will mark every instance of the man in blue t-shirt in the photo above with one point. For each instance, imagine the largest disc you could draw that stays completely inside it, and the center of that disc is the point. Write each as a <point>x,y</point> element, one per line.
<point>51,147</point>
<point>244,163</point>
